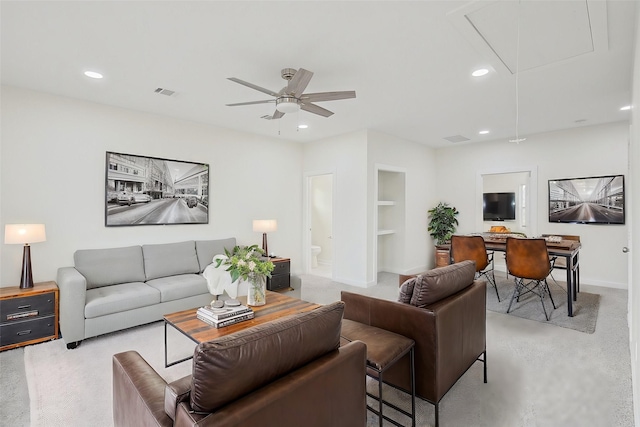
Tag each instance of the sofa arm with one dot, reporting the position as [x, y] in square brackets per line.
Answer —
[138, 392]
[176, 392]
[73, 298]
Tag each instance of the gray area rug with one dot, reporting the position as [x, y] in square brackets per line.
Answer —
[585, 309]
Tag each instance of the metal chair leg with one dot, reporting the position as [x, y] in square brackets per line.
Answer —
[516, 291]
[549, 292]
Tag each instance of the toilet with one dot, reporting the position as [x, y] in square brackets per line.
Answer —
[315, 250]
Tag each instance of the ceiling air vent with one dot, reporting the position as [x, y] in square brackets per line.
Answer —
[457, 138]
[166, 92]
[267, 117]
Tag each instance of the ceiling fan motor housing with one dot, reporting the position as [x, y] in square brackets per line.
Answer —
[288, 73]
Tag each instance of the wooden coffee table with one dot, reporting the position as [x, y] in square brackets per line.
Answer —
[186, 322]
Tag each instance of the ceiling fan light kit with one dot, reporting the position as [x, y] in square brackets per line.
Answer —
[291, 98]
[287, 104]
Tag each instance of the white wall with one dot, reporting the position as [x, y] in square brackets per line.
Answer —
[580, 152]
[345, 157]
[634, 255]
[53, 172]
[421, 180]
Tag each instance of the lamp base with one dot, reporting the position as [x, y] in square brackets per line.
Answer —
[26, 281]
[264, 244]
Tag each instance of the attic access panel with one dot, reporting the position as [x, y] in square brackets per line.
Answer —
[550, 31]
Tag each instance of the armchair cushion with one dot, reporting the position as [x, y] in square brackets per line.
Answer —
[442, 282]
[232, 366]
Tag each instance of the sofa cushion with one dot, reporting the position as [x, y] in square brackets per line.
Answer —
[104, 267]
[117, 298]
[207, 249]
[169, 259]
[406, 291]
[442, 282]
[227, 368]
[179, 286]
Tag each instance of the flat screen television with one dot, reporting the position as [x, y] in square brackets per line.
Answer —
[498, 206]
[591, 200]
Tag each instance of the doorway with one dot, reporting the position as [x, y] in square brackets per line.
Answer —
[320, 250]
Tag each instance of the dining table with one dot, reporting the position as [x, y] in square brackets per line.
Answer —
[557, 248]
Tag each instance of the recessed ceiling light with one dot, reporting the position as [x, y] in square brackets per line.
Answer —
[625, 108]
[480, 72]
[93, 74]
[303, 126]
[483, 132]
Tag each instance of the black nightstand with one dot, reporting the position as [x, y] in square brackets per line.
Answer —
[281, 275]
[29, 315]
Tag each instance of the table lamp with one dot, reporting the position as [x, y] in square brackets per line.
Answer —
[25, 234]
[265, 226]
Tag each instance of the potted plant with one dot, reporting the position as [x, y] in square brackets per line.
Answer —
[248, 263]
[442, 222]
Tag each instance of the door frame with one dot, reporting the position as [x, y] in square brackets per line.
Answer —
[306, 223]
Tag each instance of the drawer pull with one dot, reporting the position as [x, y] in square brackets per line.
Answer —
[23, 307]
[27, 332]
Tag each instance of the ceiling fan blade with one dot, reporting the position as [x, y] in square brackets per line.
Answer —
[251, 103]
[328, 96]
[299, 82]
[252, 86]
[312, 108]
[277, 114]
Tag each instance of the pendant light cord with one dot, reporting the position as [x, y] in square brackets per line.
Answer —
[518, 77]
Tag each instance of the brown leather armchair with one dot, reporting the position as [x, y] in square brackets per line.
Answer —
[444, 312]
[290, 372]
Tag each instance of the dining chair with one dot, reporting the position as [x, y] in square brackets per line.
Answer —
[473, 248]
[528, 261]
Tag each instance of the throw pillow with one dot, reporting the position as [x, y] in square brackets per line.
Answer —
[406, 291]
[442, 282]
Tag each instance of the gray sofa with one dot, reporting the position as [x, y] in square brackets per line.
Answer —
[112, 289]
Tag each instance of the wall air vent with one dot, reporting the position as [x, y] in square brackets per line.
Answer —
[457, 138]
[166, 92]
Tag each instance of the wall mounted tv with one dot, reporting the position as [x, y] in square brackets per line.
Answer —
[592, 200]
[498, 206]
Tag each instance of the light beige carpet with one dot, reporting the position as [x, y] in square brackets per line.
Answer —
[74, 387]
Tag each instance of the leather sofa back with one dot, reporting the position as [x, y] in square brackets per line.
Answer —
[227, 368]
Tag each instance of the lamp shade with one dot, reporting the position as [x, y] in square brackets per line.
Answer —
[265, 225]
[20, 234]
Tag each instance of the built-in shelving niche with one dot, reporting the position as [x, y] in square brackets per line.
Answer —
[390, 226]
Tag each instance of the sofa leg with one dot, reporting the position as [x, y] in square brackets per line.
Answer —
[72, 345]
[437, 417]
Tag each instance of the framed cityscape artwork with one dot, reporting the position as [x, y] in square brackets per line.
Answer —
[141, 190]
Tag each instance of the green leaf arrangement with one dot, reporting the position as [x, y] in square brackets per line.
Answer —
[442, 223]
[244, 261]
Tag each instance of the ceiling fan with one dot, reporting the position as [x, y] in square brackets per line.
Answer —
[291, 98]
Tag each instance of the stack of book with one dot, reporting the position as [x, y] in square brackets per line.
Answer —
[219, 317]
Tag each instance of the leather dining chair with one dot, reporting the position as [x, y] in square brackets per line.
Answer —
[528, 261]
[472, 248]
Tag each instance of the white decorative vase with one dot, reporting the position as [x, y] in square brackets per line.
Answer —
[257, 294]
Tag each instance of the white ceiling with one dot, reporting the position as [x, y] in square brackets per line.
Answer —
[410, 63]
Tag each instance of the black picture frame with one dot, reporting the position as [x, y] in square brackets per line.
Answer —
[589, 200]
[145, 190]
